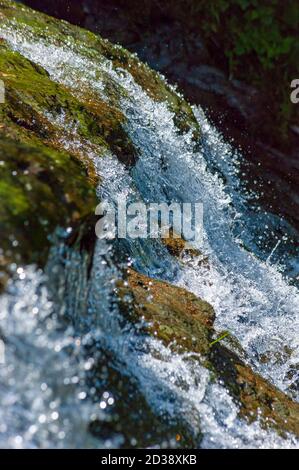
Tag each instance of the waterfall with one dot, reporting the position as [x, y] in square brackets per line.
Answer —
[61, 361]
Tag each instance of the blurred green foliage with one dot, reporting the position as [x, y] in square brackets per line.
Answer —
[268, 32]
[257, 40]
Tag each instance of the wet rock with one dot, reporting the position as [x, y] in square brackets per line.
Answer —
[179, 247]
[140, 427]
[42, 184]
[172, 313]
[53, 130]
[185, 323]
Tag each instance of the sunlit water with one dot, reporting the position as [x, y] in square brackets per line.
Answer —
[62, 354]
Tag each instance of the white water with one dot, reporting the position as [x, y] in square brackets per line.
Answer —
[250, 297]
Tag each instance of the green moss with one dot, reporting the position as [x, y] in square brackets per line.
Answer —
[42, 185]
[93, 119]
[13, 199]
[40, 189]
[97, 49]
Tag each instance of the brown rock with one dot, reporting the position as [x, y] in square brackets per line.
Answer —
[185, 323]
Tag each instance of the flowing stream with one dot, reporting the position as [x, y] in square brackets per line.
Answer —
[74, 364]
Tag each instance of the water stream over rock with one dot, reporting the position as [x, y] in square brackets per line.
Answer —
[78, 373]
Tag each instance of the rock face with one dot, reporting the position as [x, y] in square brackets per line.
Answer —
[185, 323]
[52, 130]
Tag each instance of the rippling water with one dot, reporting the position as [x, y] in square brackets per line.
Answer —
[77, 374]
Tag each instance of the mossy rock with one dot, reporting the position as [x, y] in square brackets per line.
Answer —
[42, 185]
[172, 313]
[47, 180]
[94, 47]
[185, 323]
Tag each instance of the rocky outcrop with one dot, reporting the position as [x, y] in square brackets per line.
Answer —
[185, 323]
[51, 132]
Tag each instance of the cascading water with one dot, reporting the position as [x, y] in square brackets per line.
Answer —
[56, 380]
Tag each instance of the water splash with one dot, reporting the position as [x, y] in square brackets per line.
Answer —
[41, 383]
[251, 298]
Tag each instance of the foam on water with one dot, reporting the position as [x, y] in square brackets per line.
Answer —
[175, 385]
[250, 296]
[41, 383]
